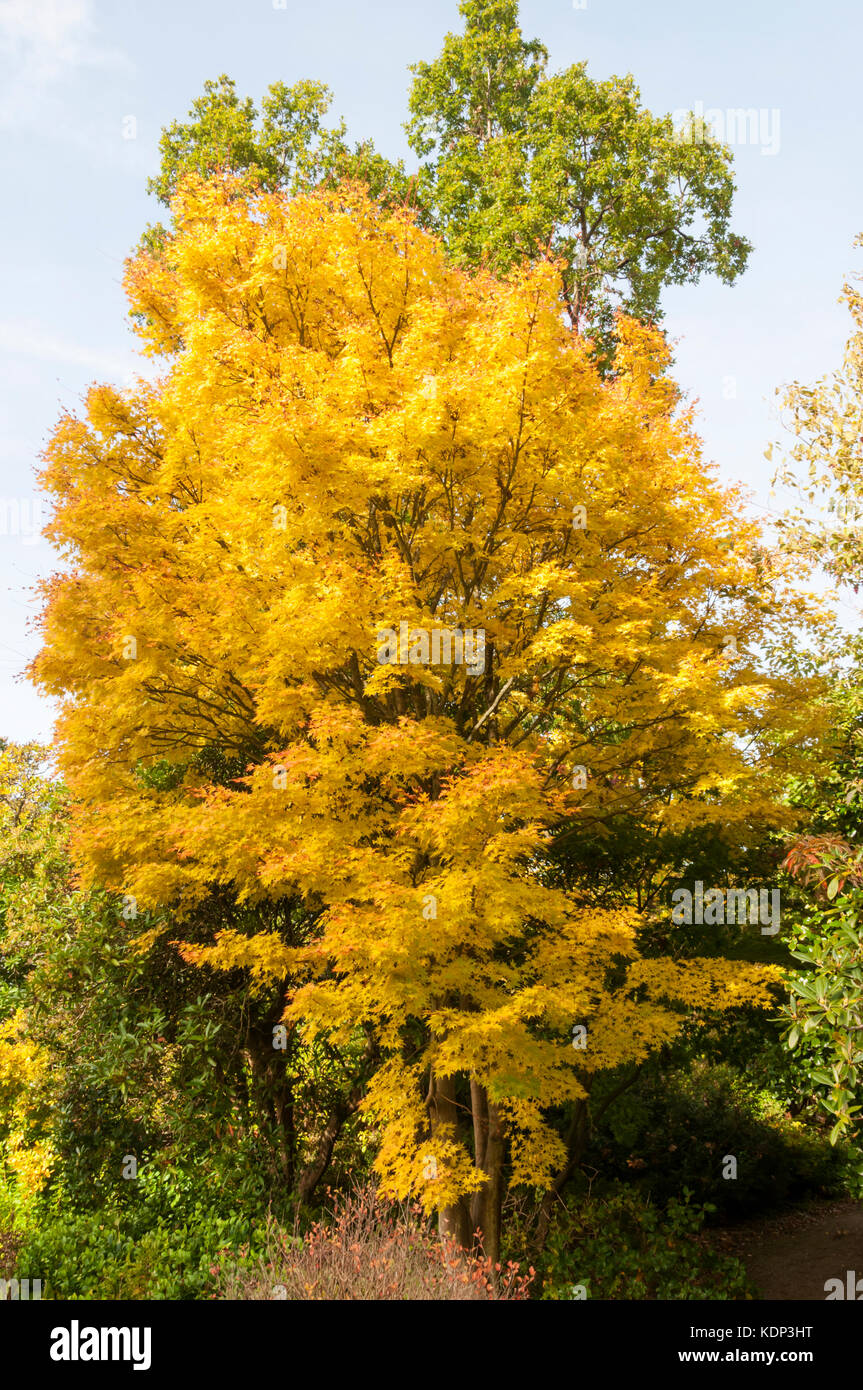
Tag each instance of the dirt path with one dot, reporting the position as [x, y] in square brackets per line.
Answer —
[793, 1255]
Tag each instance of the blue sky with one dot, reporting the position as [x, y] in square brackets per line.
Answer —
[73, 71]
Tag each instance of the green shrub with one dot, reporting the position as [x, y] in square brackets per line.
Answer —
[677, 1129]
[86, 1255]
[623, 1247]
[165, 1241]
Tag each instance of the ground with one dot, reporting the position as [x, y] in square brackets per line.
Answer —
[791, 1256]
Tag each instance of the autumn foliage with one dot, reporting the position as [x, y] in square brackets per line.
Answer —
[348, 434]
[368, 1249]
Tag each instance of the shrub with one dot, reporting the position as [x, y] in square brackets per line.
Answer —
[676, 1131]
[159, 1243]
[367, 1249]
[87, 1255]
[623, 1247]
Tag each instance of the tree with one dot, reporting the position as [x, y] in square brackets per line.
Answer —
[34, 880]
[824, 464]
[383, 535]
[107, 1049]
[515, 163]
[824, 1014]
[284, 146]
[518, 163]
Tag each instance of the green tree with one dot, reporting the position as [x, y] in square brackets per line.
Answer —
[824, 1014]
[514, 163]
[285, 145]
[518, 163]
[823, 463]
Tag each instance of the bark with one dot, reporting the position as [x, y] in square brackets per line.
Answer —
[314, 1170]
[476, 1222]
[453, 1221]
[273, 1095]
[487, 1203]
[273, 1088]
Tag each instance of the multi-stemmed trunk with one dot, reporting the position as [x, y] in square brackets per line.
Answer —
[475, 1222]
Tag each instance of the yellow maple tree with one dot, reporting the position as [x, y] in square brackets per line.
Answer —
[373, 589]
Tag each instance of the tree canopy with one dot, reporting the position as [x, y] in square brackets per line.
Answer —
[354, 438]
[514, 163]
[519, 162]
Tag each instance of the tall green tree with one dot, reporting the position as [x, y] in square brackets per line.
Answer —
[515, 163]
[519, 163]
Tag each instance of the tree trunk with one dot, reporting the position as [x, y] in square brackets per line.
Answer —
[486, 1204]
[272, 1095]
[453, 1221]
[314, 1170]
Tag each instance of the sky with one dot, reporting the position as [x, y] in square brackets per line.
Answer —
[86, 87]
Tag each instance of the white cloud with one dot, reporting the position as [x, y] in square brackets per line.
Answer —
[48, 36]
[23, 339]
[41, 42]
[48, 23]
